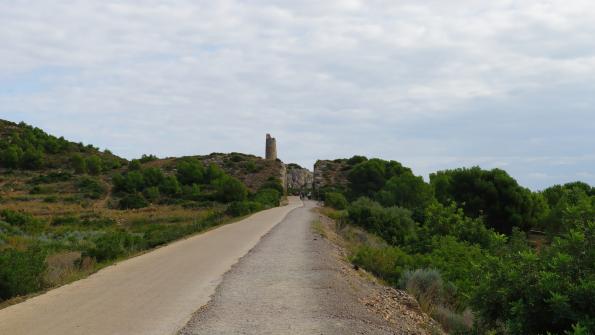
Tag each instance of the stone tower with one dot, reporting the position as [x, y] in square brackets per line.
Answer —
[271, 148]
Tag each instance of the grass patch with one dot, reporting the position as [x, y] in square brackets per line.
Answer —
[318, 228]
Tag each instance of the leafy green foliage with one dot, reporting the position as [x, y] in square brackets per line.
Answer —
[78, 164]
[393, 224]
[133, 201]
[241, 208]
[94, 165]
[492, 193]
[22, 220]
[229, 189]
[91, 187]
[368, 177]
[534, 293]
[335, 200]
[408, 191]
[21, 272]
[386, 262]
[191, 171]
[114, 244]
[466, 226]
[267, 197]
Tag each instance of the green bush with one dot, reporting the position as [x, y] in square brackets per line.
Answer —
[94, 165]
[133, 201]
[535, 293]
[22, 220]
[53, 177]
[10, 157]
[151, 193]
[170, 186]
[229, 189]
[387, 263]
[408, 191]
[32, 159]
[192, 192]
[241, 208]
[273, 184]
[335, 200]
[129, 182]
[112, 245]
[493, 194]
[21, 272]
[393, 224]
[268, 197]
[91, 187]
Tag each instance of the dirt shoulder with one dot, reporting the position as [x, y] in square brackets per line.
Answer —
[396, 307]
[297, 282]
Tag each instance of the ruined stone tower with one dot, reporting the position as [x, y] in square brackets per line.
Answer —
[271, 148]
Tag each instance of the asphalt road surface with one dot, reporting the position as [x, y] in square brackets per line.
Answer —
[291, 283]
[155, 293]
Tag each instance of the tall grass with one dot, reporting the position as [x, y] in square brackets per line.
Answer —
[433, 296]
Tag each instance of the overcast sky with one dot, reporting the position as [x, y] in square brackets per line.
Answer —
[434, 84]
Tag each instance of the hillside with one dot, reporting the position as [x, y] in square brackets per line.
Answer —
[464, 244]
[68, 209]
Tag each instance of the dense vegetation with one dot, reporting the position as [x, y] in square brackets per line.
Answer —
[68, 209]
[25, 147]
[482, 254]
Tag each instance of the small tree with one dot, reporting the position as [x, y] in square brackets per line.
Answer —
[11, 157]
[94, 165]
[230, 189]
[78, 164]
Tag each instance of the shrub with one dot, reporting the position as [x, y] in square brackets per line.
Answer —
[78, 164]
[112, 245]
[148, 158]
[21, 272]
[273, 184]
[453, 322]
[250, 166]
[425, 285]
[268, 197]
[387, 263]
[191, 192]
[190, 171]
[11, 156]
[152, 177]
[129, 182]
[151, 193]
[170, 186]
[241, 208]
[32, 159]
[335, 200]
[94, 165]
[407, 191]
[133, 201]
[229, 189]
[492, 193]
[393, 224]
[91, 187]
[53, 177]
[22, 220]
[134, 165]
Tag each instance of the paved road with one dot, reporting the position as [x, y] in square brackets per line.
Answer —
[155, 293]
[291, 283]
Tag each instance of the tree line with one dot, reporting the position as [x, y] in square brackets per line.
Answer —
[465, 244]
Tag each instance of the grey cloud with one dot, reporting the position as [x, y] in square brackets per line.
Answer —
[434, 84]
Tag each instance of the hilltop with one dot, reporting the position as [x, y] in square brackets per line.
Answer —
[69, 209]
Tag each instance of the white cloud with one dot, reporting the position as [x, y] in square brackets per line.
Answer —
[399, 79]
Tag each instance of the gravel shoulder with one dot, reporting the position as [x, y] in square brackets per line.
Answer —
[296, 282]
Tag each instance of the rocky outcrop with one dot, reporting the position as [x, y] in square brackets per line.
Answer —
[299, 178]
[331, 173]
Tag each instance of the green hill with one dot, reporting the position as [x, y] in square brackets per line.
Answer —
[67, 209]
